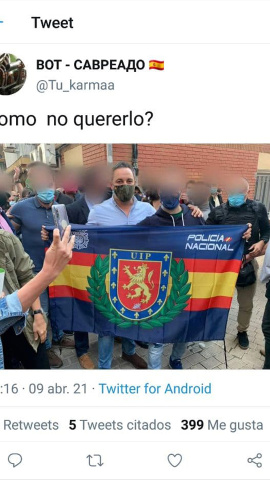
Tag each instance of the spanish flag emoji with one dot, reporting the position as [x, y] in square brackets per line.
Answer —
[156, 64]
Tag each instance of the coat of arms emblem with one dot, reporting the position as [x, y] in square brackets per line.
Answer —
[145, 288]
[139, 282]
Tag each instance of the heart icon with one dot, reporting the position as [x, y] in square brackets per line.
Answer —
[174, 460]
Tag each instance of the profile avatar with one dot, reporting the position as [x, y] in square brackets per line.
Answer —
[12, 74]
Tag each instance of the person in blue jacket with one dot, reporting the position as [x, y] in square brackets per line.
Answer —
[171, 213]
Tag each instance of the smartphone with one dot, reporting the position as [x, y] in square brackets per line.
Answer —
[60, 217]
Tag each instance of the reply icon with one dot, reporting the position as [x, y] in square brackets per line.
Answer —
[15, 459]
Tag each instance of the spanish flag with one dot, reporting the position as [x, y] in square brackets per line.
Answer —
[156, 64]
[158, 285]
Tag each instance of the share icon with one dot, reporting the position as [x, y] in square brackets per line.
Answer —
[252, 460]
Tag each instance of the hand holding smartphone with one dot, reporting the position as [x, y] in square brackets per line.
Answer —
[60, 217]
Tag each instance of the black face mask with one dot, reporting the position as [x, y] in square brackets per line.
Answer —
[124, 192]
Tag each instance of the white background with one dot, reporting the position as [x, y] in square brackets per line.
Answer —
[214, 89]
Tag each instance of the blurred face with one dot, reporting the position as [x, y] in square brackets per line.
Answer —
[13, 197]
[237, 192]
[5, 182]
[170, 195]
[171, 182]
[237, 186]
[95, 189]
[40, 178]
[173, 190]
[189, 190]
[214, 190]
[200, 194]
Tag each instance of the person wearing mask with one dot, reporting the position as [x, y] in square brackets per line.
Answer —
[170, 213]
[122, 209]
[68, 180]
[14, 198]
[29, 349]
[71, 189]
[138, 193]
[94, 185]
[265, 278]
[28, 217]
[240, 210]
[215, 198]
[59, 196]
[13, 307]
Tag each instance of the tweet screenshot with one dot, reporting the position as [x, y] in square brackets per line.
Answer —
[134, 240]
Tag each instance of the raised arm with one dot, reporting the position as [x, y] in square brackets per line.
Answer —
[56, 258]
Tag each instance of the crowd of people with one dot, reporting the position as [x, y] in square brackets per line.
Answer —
[110, 198]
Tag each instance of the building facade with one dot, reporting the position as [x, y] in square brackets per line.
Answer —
[199, 161]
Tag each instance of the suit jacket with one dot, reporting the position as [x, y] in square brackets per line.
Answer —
[62, 198]
[78, 211]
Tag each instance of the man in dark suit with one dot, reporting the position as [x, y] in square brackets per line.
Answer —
[94, 188]
[95, 191]
[78, 211]
[62, 198]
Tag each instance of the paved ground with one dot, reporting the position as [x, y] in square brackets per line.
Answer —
[211, 357]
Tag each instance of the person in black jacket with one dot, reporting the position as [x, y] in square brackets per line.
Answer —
[181, 216]
[171, 213]
[239, 210]
[215, 199]
[265, 278]
[78, 211]
[94, 186]
[62, 198]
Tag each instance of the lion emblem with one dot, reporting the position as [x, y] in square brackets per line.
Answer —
[139, 280]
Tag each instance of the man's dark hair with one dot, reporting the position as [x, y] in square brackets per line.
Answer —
[151, 196]
[123, 165]
[190, 182]
[27, 192]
